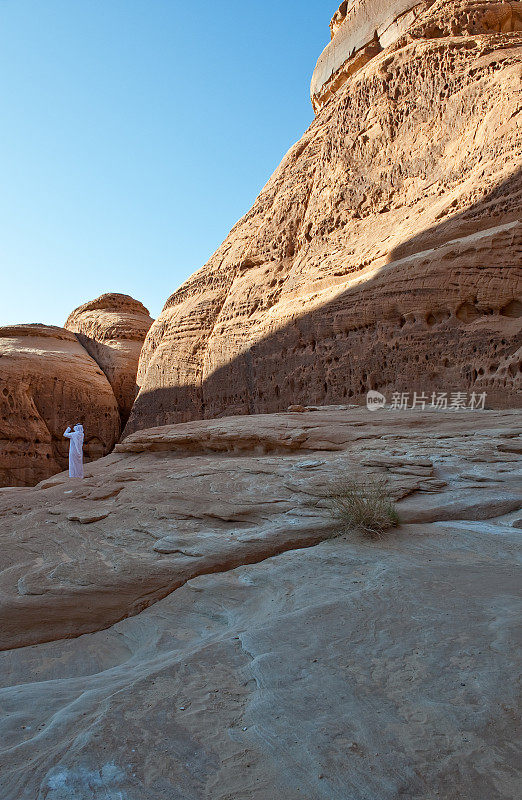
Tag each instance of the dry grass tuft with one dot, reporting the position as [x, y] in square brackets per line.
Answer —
[365, 506]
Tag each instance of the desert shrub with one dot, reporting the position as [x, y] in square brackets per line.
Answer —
[363, 505]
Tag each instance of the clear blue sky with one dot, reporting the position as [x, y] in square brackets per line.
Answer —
[135, 133]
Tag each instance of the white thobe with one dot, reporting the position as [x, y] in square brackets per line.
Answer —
[75, 451]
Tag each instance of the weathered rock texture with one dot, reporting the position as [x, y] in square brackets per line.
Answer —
[112, 329]
[48, 381]
[349, 669]
[205, 496]
[361, 29]
[385, 251]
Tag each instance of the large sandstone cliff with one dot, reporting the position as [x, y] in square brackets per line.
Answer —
[112, 329]
[385, 250]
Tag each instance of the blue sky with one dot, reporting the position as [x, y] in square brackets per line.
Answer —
[135, 133]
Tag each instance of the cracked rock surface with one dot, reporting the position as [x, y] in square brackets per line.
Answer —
[175, 502]
[232, 649]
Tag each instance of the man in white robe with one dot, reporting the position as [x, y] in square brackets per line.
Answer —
[75, 451]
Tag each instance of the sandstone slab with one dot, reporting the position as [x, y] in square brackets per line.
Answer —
[176, 502]
[202, 636]
[343, 670]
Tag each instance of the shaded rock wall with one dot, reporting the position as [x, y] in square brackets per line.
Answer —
[385, 251]
[48, 381]
[112, 329]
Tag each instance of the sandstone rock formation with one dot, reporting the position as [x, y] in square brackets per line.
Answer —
[176, 501]
[112, 329]
[361, 29]
[346, 669]
[48, 381]
[51, 377]
[385, 252]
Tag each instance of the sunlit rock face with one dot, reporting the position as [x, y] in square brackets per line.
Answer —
[361, 29]
[112, 329]
[47, 382]
[384, 252]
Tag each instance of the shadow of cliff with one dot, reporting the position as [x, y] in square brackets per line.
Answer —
[447, 333]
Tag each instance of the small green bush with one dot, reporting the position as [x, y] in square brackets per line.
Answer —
[363, 505]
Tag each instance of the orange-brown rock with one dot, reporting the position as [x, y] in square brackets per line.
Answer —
[361, 29]
[48, 381]
[385, 252]
[112, 329]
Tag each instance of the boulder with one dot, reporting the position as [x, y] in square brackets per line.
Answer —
[112, 329]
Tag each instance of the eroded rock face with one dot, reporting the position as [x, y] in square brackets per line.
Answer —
[112, 329]
[48, 381]
[385, 252]
[213, 642]
[361, 29]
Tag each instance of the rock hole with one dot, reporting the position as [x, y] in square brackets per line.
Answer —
[512, 309]
[467, 312]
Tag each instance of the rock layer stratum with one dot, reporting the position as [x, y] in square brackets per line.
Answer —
[361, 29]
[385, 251]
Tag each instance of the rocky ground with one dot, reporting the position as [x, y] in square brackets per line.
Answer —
[232, 648]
